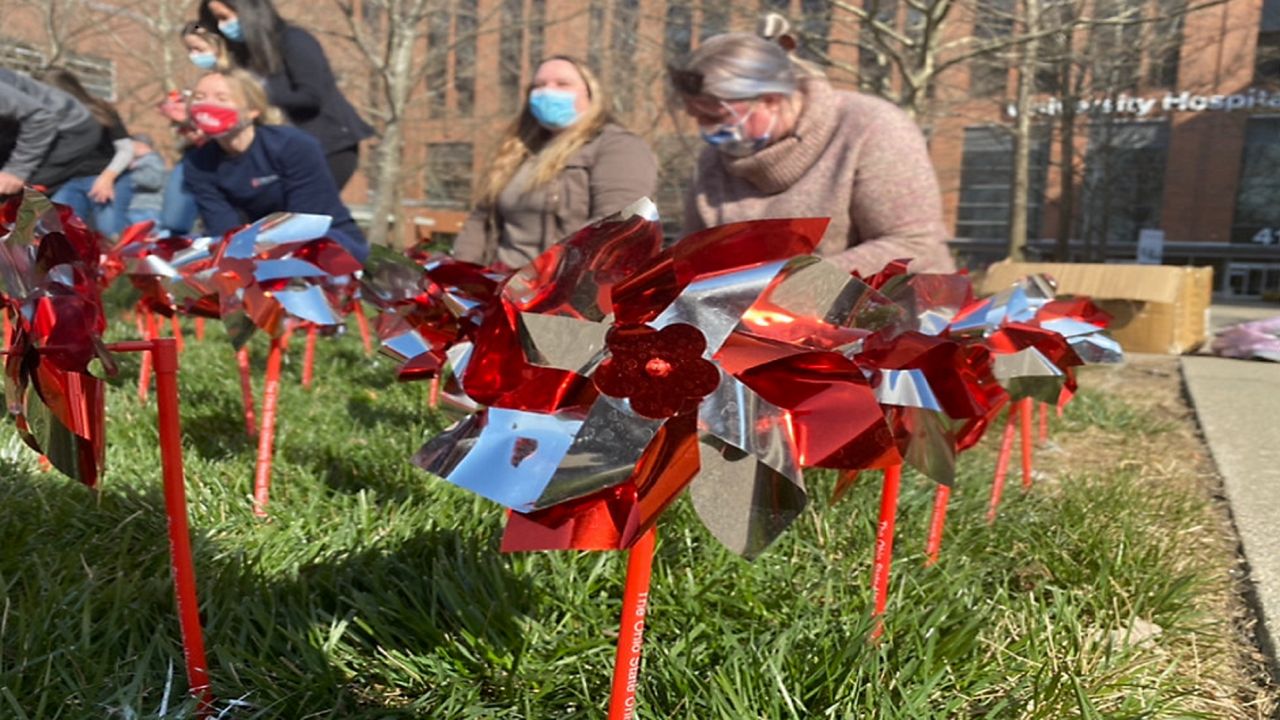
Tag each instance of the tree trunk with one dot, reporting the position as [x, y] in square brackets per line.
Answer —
[1020, 190]
[386, 206]
[387, 180]
[1067, 176]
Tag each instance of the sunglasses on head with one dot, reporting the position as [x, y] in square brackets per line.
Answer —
[688, 82]
[194, 28]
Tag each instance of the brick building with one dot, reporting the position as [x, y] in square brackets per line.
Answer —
[1187, 142]
[1185, 139]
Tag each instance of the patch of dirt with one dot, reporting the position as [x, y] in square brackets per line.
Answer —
[1228, 665]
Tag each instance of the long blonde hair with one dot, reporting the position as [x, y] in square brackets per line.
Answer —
[525, 138]
[250, 89]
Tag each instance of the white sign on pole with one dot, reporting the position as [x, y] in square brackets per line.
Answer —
[1150, 247]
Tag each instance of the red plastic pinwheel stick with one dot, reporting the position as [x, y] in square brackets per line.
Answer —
[164, 354]
[884, 543]
[635, 604]
[266, 436]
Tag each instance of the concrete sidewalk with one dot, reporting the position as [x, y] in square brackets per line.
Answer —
[1238, 406]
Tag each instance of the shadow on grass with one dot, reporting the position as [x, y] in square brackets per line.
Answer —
[322, 634]
[359, 467]
[215, 429]
[290, 631]
[371, 412]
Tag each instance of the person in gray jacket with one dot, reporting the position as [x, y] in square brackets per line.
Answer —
[99, 195]
[563, 164]
[149, 176]
[45, 134]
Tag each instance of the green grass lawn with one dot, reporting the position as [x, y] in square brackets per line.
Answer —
[377, 591]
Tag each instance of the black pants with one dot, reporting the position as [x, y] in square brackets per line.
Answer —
[342, 165]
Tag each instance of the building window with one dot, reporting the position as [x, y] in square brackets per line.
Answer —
[596, 15]
[1124, 180]
[510, 54]
[623, 47]
[1257, 217]
[989, 75]
[986, 180]
[715, 19]
[679, 35]
[815, 29]
[1165, 44]
[98, 75]
[1053, 52]
[437, 64]
[1116, 45]
[464, 56]
[873, 66]
[1267, 61]
[449, 174]
[537, 32]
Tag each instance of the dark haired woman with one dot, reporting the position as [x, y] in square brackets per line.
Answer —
[297, 75]
[100, 196]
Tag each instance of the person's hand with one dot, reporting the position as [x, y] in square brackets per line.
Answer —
[103, 189]
[192, 135]
[10, 184]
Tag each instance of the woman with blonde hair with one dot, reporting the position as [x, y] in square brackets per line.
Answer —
[783, 143]
[563, 163]
[253, 167]
[207, 50]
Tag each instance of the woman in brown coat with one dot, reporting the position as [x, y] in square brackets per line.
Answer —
[563, 164]
[784, 143]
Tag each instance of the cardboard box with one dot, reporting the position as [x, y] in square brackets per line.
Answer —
[1155, 308]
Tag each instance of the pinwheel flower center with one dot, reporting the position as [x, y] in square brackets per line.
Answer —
[662, 372]
[658, 367]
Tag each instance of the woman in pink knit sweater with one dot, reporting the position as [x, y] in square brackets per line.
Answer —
[783, 143]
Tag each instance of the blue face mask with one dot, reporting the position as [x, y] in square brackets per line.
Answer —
[203, 60]
[231, 30]
[553, 109]
[731, 138]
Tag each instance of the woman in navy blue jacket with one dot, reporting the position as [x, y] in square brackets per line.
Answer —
[254, 168]
[297, 75]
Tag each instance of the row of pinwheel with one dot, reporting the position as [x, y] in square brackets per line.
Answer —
[610, 375]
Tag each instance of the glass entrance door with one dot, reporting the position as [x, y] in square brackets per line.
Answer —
[1252, 279]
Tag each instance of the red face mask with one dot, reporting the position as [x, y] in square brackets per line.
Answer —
[215, 120]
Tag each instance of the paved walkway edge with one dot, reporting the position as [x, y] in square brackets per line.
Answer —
[1237, 403]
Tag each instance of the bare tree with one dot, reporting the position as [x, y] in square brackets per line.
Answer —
[387, 34]
[1093, 61]
[57, 29]
[147, 35]
[1020, 184]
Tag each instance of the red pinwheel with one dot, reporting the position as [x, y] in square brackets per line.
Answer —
[48, 271]
[424, 310]
[592, 479]
[1034, 340]
[281, 267]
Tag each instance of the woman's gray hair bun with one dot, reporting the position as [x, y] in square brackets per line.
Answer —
[776, 28]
